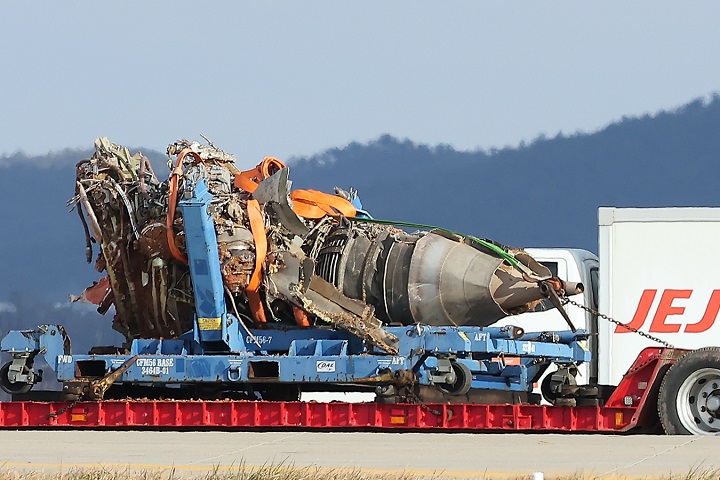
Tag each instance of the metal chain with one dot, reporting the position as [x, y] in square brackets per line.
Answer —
[63, 410]
[567, 300]
[417, 400]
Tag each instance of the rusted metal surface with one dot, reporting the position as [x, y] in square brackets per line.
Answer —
[328, 270]
[98, 388]
[126, 205]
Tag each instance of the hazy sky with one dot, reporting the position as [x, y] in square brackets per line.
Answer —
[294, 78]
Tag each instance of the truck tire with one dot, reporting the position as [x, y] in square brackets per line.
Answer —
[689, 397]
[13, 388]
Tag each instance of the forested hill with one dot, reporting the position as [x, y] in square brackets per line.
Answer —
[542, 194]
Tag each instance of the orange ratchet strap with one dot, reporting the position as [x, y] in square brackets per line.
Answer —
[301, 317]
[249, 179]
[257, 226]
[306, 203]
[315, 204]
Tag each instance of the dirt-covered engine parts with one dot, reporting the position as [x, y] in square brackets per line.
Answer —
[297, 257]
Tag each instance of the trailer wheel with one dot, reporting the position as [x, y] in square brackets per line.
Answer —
[463, 380]
[551, 386]
[13, 388]
[689, 397]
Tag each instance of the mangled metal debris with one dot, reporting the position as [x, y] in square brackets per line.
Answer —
[301, 257]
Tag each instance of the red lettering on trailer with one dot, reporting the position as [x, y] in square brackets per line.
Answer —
[646, 300]
[708, 319]
[666, 309]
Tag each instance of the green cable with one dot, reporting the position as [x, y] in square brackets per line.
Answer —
[489, 245]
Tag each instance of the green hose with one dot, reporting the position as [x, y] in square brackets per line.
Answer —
[489, 245]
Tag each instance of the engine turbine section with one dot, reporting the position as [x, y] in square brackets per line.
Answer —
[432, 278]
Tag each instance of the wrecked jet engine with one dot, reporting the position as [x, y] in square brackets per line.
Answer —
[302, 257]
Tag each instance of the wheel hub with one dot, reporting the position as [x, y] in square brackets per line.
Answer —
[712, 404]
[699, 401]
[689, 396]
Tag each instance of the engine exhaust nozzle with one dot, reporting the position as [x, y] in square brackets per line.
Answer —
[573, 288]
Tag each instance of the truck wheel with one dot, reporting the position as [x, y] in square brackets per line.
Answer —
[689, 397]
[13, 388]
[463, 380]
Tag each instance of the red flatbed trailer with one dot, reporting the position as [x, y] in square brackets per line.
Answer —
[631, 406]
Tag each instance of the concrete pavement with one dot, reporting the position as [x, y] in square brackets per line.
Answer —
[452, 455]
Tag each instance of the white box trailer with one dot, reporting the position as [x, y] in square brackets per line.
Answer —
[659, 274]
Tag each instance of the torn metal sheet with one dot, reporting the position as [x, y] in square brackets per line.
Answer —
[297, 258]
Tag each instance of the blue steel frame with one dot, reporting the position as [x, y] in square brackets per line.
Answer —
[320, 356]
[214, 328]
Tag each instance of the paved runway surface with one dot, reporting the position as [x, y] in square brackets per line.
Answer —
[452, 455]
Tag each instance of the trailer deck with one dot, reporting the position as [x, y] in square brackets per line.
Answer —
[239, 415]
[631, 406]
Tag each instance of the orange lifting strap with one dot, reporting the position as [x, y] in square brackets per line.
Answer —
[249, 179]
[306, 203]
[257, 226]
[172, 204]
[314, 204]
[301, 317]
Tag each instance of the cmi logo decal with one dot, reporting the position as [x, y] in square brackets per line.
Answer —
[665, 309]
[327, 366]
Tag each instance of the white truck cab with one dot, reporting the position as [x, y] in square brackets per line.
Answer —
[573, 265]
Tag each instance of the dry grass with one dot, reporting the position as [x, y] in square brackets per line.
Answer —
[280, 472]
